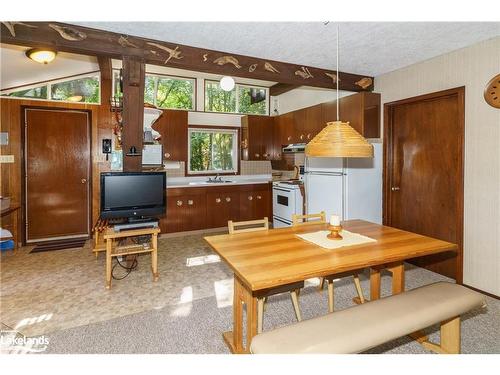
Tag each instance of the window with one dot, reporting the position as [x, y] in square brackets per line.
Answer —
[164, 91]
[34, 93]
[84, 89]
[242, 99]
[213, 151]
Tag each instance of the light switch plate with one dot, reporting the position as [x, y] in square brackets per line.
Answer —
[6, 159]
[4, 138]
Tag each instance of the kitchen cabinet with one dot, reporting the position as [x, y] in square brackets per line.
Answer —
[173, 128]
[195, 208]
[362, 111]
[256, 139]
[222, 206]
[186, 210]
[255, 204]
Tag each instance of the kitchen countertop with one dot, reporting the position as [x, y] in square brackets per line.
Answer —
[182, 182]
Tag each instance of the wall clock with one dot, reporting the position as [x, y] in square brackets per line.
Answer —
[492, 92]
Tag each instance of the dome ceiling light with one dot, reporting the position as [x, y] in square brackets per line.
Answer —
[41, 55]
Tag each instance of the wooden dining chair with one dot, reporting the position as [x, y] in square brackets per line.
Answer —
[294, 288]
[320, 218]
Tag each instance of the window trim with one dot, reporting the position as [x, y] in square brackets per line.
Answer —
[49, 84]
[214, 129]
[237, 85]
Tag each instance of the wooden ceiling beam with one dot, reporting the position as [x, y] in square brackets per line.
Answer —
[281, 88]
[88, 41]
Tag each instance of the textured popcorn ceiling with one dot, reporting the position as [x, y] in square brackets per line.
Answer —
[370, 48]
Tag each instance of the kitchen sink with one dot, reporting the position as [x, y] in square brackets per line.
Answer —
[211, 182]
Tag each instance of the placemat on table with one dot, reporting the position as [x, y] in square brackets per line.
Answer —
[348, 239]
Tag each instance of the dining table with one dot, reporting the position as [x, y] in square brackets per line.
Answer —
[269, 259]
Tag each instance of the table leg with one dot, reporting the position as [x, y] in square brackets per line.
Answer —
[398, 277]
[234, 339]
[154, 256]
[108, 263]
[374, 284]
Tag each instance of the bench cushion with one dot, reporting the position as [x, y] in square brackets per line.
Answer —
[363, 327]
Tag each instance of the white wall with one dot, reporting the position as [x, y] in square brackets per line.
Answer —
[303, 97]
[471, 67]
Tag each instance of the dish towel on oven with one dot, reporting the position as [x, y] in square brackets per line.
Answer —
[348, 239]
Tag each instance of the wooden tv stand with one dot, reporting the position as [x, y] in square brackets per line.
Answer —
[109, 238]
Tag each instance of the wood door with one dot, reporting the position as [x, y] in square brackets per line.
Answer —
[57, 174]
[263, 204]
[423, 182]
[248, 204]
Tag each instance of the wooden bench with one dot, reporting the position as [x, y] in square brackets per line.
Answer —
[366, 326]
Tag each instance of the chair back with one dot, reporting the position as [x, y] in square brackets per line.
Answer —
[319, 218]
[247, 226]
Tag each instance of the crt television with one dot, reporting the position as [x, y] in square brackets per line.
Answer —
[132, 194]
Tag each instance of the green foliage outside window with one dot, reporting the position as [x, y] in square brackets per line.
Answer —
[212, 151]
[78, 90]
[218, 100]
[245, 101]
[175, 93]
[34, 93]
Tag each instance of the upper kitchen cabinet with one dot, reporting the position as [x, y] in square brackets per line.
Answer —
[362, 111]
[173, 128]
[257, 137]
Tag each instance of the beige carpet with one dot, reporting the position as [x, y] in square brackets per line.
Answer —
[61, 294]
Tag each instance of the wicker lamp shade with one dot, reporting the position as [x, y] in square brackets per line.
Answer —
[339, 140]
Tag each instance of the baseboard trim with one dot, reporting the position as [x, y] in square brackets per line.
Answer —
[482, 291]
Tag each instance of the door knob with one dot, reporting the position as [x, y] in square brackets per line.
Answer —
[190, 202]
[179, 203]
[395, 188]
[259, 197]
[217, 200]
[167, 155]
[228, 199]
[84, 180]
[250, 198]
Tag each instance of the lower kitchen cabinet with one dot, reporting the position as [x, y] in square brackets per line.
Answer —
[221, 207]
[195, 208]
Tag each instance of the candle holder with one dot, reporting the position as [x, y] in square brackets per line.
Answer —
[334, 232]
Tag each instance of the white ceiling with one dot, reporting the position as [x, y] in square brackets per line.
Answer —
[18, 70]
[369, 48]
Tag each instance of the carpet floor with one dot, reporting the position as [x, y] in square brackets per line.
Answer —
[196, 326]
[61, 294]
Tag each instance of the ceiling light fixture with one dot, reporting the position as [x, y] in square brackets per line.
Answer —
[75, 98]
[338, 139]
[41, 55]
[227, 83]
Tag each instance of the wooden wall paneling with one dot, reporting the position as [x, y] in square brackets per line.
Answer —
[90, 41]
[133, 112]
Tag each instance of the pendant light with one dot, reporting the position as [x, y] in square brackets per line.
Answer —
[338, 139]
[227, 83]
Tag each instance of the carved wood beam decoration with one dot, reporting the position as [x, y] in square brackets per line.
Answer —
[88, 41]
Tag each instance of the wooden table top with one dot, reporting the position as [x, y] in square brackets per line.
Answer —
[267, 259]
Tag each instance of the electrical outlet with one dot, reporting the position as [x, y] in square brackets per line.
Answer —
[6, 159]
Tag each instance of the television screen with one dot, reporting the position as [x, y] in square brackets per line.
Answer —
[132, 194]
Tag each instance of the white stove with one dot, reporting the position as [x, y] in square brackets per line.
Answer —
[287, 200]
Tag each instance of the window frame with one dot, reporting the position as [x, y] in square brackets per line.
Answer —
[48, 84]
[214, 129]
[237, 86]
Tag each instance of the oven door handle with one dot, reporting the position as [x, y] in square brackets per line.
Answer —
[281, 189]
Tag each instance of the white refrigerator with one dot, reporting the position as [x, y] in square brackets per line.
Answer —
[348, 187]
